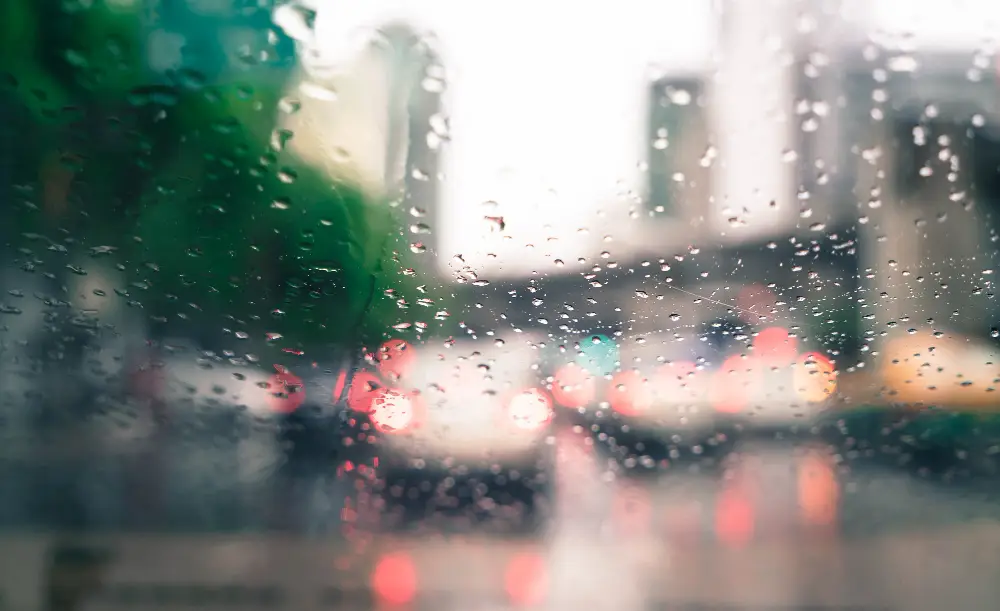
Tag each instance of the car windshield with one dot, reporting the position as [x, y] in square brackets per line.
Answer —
[383, 304]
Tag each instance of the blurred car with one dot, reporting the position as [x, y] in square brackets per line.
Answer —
[928, 404]
[466, 421]
[301, 409]
[696, 388]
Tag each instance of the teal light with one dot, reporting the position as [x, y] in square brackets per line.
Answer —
[598, 354]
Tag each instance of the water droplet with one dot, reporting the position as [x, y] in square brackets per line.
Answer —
[317, 91]
[280, 138]
[495, 224]
[190, 78]
[289, 106]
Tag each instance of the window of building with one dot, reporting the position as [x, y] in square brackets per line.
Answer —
[679, 152]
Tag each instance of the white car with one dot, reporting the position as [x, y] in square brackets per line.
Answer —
[469, 411]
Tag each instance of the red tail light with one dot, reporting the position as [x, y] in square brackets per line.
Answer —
[286, 391]
[338, 386]
[395, 359]
[630, 393]
[394, 579]
[775, 346]
[530, 409]
[573, 386]
[392, 411]
[526, 580]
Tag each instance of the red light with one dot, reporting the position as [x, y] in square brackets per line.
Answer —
[338, 386]
[734, 518]
[392, 411]
[526, 580]
[573, 386]
[394, 579]
[819, 490]
[285, 392]
[776, 346]
[629, 393]
[362, 392]
[530, 409]
[395, 359]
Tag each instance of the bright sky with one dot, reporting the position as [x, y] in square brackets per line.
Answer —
[546, 103]
[929, 25]
[547, 107]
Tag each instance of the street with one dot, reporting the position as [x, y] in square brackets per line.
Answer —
[775, 525]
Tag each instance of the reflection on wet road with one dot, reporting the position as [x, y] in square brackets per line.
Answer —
[772, 526]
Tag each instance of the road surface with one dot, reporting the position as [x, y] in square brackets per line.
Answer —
[777, 525]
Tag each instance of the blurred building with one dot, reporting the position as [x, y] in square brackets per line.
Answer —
[919, 131]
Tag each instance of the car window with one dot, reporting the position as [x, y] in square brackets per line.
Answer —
[382, 304]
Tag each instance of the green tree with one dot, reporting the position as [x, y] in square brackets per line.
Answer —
[183, 181]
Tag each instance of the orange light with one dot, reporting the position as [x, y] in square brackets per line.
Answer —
[737, 382]
[815, 377]
[530, 409]
[363, 390]
[526, 580]
[629, 394]
[285, 392]
[776, 346]
[394, 579]
[573, 386]
[734, 518]
[819, 490]
[396, 359]
[392, 410]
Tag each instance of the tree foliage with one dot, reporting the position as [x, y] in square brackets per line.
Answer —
[183, 180]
